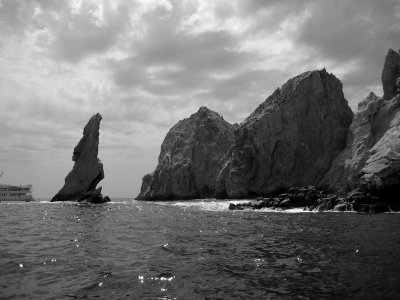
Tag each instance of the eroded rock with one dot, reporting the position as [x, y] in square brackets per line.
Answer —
[289, 140]
[390, 74]
[87, 171]
[192, 154]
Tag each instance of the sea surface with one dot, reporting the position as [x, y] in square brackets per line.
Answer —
[194, 250]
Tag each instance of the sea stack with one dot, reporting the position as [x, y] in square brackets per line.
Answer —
[290, 140]
[87, 172]
[191, 157]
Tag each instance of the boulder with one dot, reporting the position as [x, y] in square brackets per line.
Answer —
[192, 155]
[390, 74]
[342, 207]
[87, 171]
[289, 140]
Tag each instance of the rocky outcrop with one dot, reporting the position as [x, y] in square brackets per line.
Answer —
[390, 74]
[381, 172]
[87, 172]
[369, 167]
[191, 156]
[311, 198]
[289, 140]
[371, 159]
[368, 126]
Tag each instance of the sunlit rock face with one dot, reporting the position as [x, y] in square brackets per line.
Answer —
[191, 157]
[372, 154]
[87, 171]
[382, 169]
[391, 75]
[371, 159]
[290, 140]
[371, 123]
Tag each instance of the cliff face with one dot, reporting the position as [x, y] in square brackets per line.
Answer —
[381, 172]
[289, 140]
[191, 156]
[371, 158]
[372, 121]
[87, 172]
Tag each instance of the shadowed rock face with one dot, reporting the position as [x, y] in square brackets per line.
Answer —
[88, 169]
[289, 140]
[390, 74]
[192, 154]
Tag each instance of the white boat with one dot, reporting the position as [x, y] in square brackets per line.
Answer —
[15, 192]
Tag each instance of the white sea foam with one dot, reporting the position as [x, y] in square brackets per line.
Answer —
[223, 205]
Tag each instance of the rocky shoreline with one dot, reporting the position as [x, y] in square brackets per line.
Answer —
[311, 198]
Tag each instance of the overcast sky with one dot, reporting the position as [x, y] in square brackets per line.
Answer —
[146, 64]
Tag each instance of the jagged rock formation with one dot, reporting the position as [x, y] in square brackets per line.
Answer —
[370, 125]
[370, 162]
[80, 183]
[192, 154]
[311, 198]
[391, 74]
[298, 138]
[289, 140]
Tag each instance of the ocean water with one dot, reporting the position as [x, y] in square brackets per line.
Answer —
[194, 250]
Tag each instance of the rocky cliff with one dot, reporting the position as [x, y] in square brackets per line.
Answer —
[191, 156]
[371, 123]
[289, 140]
[87, 172]
[371, 159]
[391, 74]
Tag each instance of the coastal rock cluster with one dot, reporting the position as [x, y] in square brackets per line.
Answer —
[87, 172]
[301, 147]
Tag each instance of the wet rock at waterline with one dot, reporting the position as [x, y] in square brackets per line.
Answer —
[87, 172]
[311, 198]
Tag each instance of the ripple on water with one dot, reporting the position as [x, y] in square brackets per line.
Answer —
[194, 250]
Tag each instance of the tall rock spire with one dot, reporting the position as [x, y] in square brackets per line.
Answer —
[88, 171]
